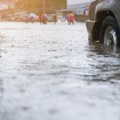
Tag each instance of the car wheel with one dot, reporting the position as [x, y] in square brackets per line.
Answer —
[110, 33]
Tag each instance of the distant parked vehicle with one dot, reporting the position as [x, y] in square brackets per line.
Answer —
[61, 19]
[19, 17]
[50, 18]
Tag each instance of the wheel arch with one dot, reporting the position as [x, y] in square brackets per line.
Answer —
[100, 16]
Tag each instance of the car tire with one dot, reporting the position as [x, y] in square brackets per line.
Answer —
[110, 33]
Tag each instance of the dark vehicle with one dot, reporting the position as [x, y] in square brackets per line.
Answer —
[104, 21]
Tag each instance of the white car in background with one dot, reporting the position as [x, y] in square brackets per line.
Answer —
[61, 19]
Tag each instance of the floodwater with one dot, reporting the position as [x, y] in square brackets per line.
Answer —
[52, 72]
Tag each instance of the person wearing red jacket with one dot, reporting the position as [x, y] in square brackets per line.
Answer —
[72, 18]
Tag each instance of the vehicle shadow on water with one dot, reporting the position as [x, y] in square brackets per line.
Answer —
[105, 62]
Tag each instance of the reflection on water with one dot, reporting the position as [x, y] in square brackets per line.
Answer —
[52, 72]
[97, 46]
[107, 60]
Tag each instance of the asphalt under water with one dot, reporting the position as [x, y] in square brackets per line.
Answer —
[52, 72]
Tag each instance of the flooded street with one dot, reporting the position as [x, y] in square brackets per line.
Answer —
[52, 72]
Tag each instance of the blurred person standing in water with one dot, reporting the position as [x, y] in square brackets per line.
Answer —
[32, 17]
[40, 18]
[68, 18]
[54, 18]
[44, 18]
[72, 18]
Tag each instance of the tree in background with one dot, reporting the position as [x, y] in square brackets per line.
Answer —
[56, 4]
[37, 5]
[28, 4]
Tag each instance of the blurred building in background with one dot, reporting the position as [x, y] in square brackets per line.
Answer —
[5, 4]
[53, 5]
[78, 6]
[47, 6]
[71, 2]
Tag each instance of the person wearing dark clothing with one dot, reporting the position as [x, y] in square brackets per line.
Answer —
[54, 18]
[44, 18]
[40, 18]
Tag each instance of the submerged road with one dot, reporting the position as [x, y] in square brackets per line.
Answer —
[52, 72]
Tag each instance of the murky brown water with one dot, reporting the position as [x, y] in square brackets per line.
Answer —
[52, 72]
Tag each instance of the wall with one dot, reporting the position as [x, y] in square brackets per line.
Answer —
[70, 2]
